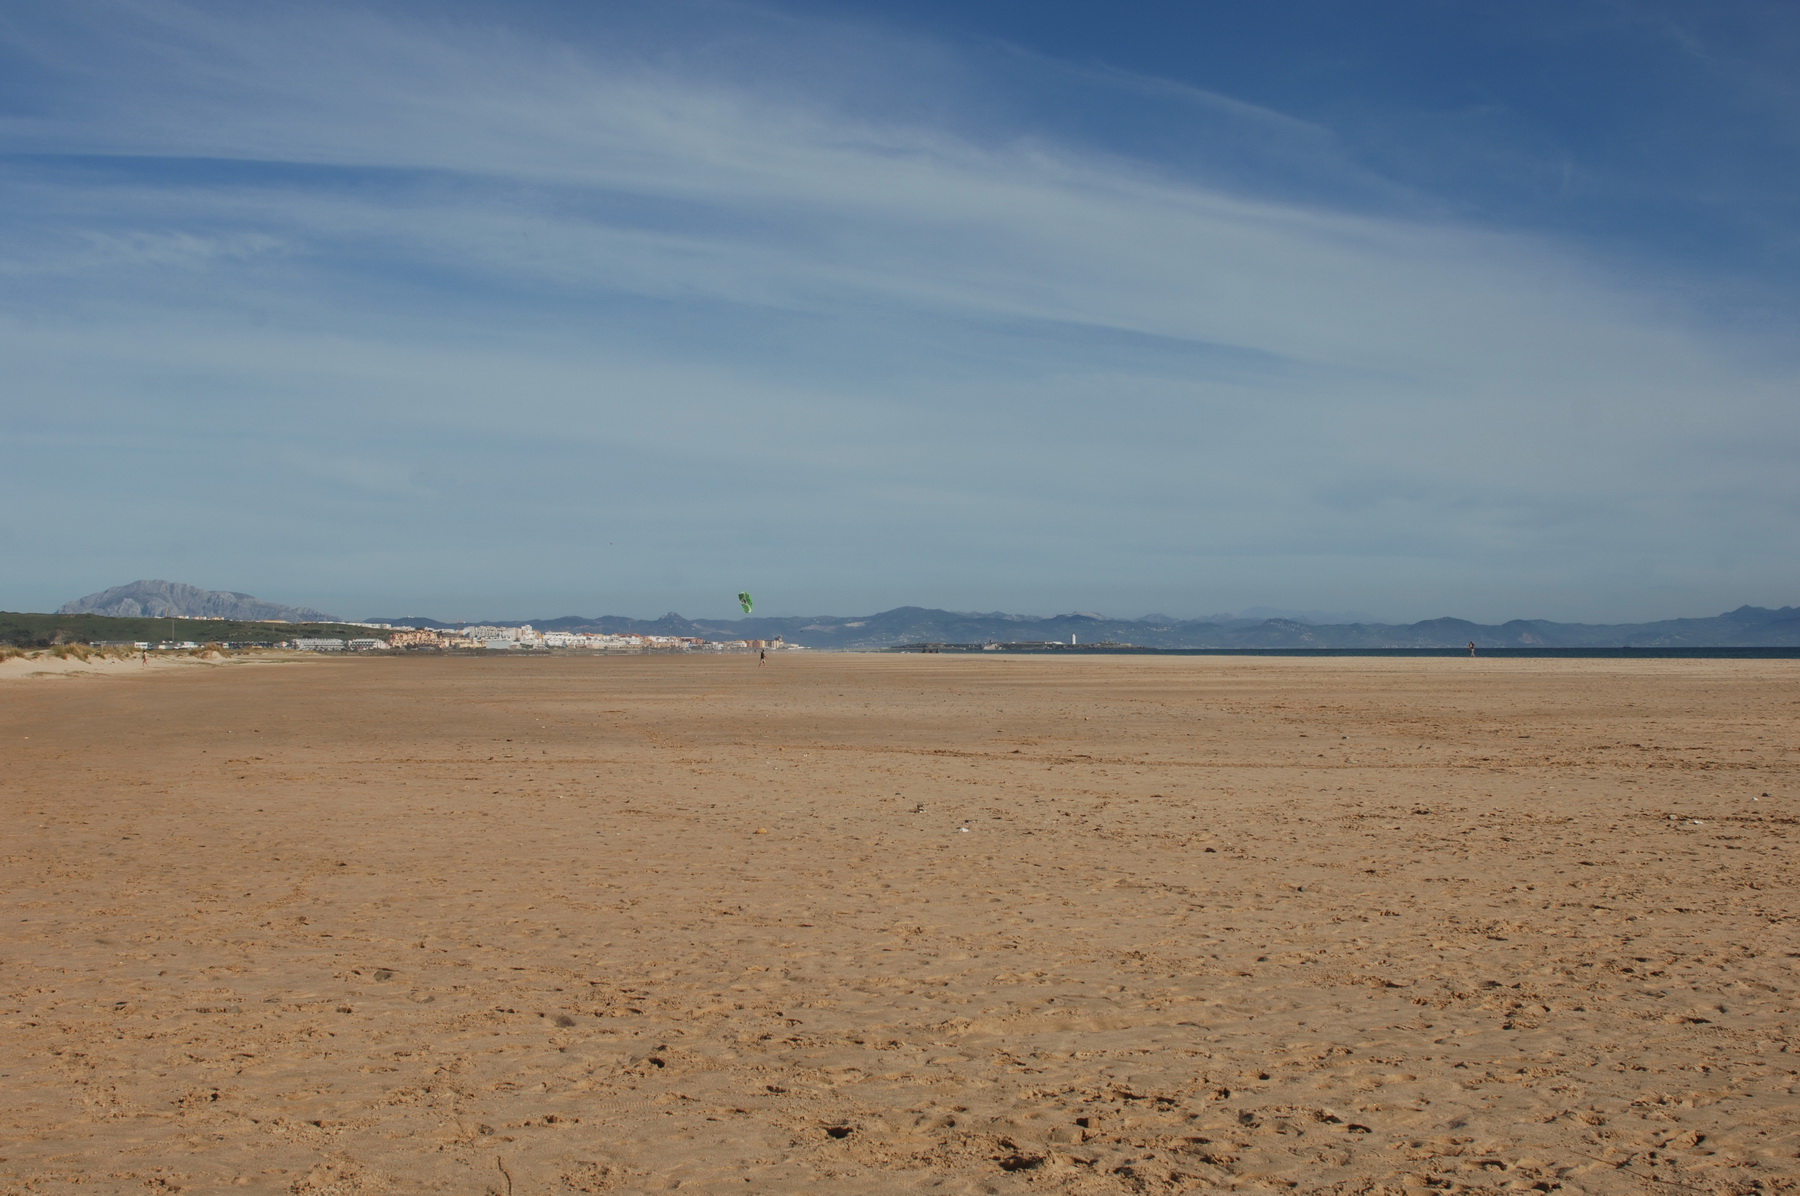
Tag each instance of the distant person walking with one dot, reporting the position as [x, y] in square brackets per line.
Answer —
[762, 656]
[1471, 647]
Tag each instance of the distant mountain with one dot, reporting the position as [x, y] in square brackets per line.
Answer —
[1746, 627]
[1258, 614]
[162, 599]
[420, 621]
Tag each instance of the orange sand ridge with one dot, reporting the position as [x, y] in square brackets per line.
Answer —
[1103, 925]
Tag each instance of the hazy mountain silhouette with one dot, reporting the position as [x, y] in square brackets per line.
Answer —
[1747, 626]
[160, 599]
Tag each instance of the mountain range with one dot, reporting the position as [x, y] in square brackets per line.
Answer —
[165, 599]
[1747, 626]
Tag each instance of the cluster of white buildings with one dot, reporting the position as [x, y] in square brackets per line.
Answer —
[527, 638]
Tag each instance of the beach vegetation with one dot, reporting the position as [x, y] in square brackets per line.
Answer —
[31, 630]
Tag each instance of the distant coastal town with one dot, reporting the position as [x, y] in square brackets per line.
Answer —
[484, 637]
[526, 638]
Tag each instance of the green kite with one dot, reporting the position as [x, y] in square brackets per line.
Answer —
[745, 601]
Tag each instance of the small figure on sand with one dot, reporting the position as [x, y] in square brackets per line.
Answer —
[1471, 647]
[762, 656]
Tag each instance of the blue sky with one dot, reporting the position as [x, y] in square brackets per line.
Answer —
[475, 310]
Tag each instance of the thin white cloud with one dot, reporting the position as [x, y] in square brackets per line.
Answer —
[93, 249]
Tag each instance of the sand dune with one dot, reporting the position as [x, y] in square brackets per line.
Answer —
[850, 924]
[42, 665]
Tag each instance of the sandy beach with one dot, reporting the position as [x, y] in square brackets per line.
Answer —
[869, 924]
[41, 665]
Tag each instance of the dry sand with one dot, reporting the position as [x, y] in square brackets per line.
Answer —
[41, 665]
[1057, 925]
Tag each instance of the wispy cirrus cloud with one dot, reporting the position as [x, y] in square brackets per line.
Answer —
[749, 296]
